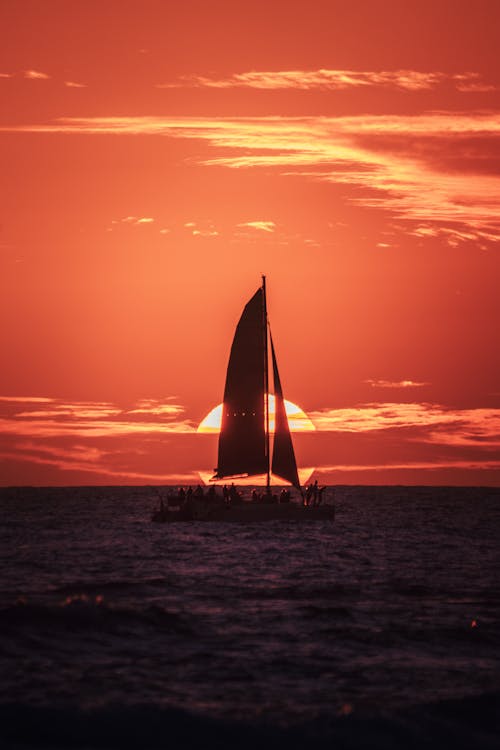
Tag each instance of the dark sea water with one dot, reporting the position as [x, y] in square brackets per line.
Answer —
[381, 629]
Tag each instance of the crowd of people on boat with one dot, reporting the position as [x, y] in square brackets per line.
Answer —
[312, 496]
[230, 496]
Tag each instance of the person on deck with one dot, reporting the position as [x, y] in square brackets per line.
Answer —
[308, 495]
[320, 494]
[285, 496]
[315, 492]
[234, 495]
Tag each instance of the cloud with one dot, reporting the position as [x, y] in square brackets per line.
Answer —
[264, 226]
[76, 452]
[155, 407]
[478, 465]
[395, 384]
[205, 233]
[27, 399]
[76, 437]
[377, 416]
[57, 418]
[201, 230]
[89, 459]
[36, 75]
[452, 236]
[418, 168]
[335, 80]
[433, 423]
[134, 220]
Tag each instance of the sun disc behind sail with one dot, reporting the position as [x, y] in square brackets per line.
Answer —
[297, 419]
[298, 422]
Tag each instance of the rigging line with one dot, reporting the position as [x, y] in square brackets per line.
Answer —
[266, 383]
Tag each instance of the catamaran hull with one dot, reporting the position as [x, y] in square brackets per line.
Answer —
[246, 513]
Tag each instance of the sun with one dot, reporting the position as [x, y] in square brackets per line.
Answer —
[297, 420]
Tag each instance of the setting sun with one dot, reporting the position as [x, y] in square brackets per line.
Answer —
[298, 422]
[297, 419]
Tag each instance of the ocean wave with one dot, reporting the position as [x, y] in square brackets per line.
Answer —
[83, 612]
[88, 586]
[461, 724]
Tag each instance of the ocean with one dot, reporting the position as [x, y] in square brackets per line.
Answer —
[380, 629]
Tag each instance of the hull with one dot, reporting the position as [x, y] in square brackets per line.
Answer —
[245, 513]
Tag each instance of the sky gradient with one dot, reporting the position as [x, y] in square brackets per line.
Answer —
[157, 158]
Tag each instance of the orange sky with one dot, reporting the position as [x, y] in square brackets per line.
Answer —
[158, 157]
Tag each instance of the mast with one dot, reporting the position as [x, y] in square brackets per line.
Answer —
[266, 384]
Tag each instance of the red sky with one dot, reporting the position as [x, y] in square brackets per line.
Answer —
[157, 158]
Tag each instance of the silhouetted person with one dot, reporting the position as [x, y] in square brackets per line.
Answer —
[315, 492]
[309, 492]
[285, 496]
[320, 494]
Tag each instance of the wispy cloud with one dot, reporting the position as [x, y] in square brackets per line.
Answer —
[134, 220]
[36, 75]
[27, 399]
[436, 424]
[395, 383]
[335, 80]
[54, 418]
[154, 407]
[421, 168]
[205, 233]
[206, 229]
[263, 226]
[90, 460]
[478, 465]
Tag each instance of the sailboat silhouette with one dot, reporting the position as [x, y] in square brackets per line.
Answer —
[244, 448]
[244, 438]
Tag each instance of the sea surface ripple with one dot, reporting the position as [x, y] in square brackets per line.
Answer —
[392, 607]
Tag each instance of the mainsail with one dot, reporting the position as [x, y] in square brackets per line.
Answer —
[244, 433]
[242, 439]
[284, 464]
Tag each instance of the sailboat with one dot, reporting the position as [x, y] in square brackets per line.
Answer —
[244, 448]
